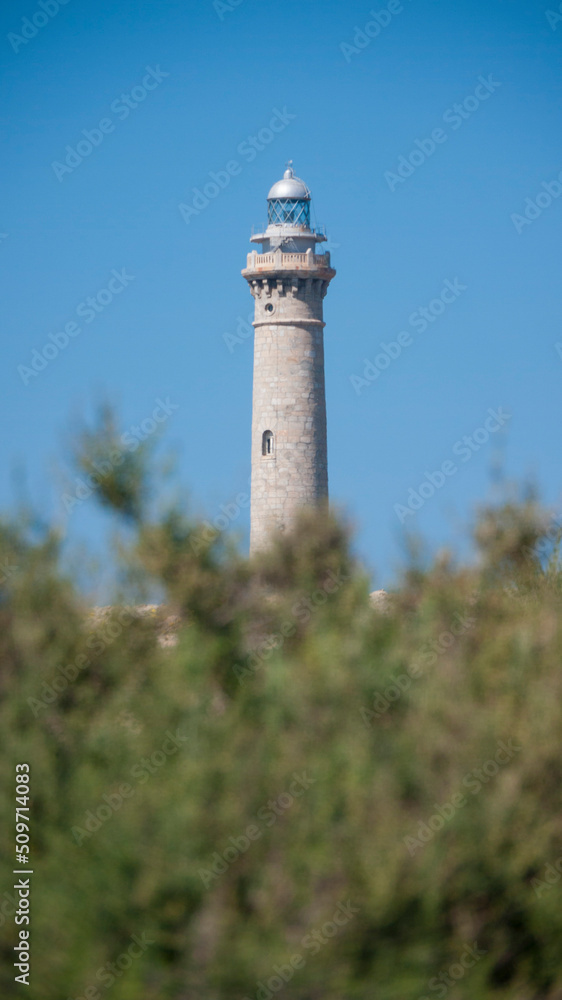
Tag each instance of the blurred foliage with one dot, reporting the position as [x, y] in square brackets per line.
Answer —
[152, 761]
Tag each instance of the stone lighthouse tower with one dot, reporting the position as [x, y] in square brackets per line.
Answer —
[288, 280]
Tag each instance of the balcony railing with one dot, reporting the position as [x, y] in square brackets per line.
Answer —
[290, 261]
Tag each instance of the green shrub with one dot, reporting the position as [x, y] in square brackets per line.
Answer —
[355, 796]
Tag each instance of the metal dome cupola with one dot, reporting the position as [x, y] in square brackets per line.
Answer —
[288, 202]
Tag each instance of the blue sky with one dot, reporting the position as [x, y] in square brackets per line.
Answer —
[355, 94]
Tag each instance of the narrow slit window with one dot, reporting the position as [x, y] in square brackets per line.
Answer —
[267, 443]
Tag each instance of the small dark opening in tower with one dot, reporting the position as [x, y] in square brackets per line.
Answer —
[269, 307]
[267, 443]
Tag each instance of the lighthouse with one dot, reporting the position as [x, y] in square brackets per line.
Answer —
[288, 281]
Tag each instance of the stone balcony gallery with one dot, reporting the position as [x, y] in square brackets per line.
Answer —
[286, 261]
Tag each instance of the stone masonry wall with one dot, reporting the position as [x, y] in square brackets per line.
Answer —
[288, 398]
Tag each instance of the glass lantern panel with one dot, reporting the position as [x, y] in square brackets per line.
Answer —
[288, 211]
